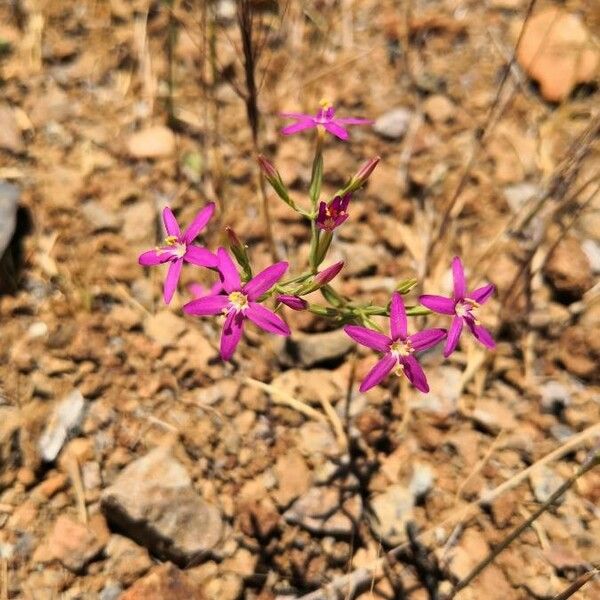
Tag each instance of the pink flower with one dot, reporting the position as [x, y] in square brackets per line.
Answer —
[333, 214]
[294, 302]
[199, 291]
[462, 305]
[325, 118]
[398, 349]
[179, 248]
[240, 302]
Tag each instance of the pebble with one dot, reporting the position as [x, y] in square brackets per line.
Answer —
[319, 512]
[393, 124]
[314, 349]
[9, 204]
[293, 477]
[164, 327]
[544, 482]
[392, 509]
[152, 142]
[153, 502]
[568, 269]
[10, 134]
[555, 397]
[64, 420]
[100, 218]
[557, 50]
[164, 582]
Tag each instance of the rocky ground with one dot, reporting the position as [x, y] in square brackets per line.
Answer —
[134, 463]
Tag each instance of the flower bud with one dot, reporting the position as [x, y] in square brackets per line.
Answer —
[239, 251]
[294, 302]
[362, 175]
[274, 178]
[328, 274]
[267, 168]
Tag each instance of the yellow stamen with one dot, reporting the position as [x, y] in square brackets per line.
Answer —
[170, 240]
[238, 300]
[325, 103]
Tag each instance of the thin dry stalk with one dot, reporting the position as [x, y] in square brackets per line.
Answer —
[4, 578]
[593, 461]
[577, 585]
[72, 465]
[284, 399]
[336, 423]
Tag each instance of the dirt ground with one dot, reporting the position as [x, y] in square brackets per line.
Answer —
[135, 464]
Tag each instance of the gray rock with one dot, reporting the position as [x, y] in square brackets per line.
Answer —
[393, 124]
[544, 482]
[392, 510]
[111, 591]
[154, 503]
[555, 396]
[309, 350]
[592, 251]
[518, 194]
[100, 218]
[64, 421]
[9, 203]
[322, 512]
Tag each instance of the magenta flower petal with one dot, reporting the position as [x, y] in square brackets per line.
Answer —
[267, 319]
[198, 290]
[172, 279]
[398, 322]
[458, 274]
[482, 335]
[230, 278]
[481, 294]
[378, 372]
[170, 222]
[296, 127]
[368, 337]
[231, 334]
[153, 258]
[294, 302]
[428, 338]
[199, 223]
[337, 130]
[265, 280]
[201, 257]
[415, 374]
[453, 336]
[437, 304]
[207, 305]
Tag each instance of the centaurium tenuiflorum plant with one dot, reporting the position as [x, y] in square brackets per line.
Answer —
[239, 295]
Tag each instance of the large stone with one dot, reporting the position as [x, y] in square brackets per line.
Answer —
[154, 503]
[393, 124]
[315, 349]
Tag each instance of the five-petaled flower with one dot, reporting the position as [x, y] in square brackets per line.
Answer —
[398, 348]
[462, 305]
[240, 302]
[178, 247]
[325, 118]
[331, 215]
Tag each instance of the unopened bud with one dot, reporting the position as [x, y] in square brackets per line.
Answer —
[294, 302]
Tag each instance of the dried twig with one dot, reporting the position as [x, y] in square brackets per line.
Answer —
[577, 585]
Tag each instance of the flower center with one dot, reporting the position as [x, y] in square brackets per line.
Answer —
[401, 348]
[326, 112]
[238, 301]
[465, 307]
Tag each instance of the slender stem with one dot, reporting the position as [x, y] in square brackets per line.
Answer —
[576, 585]
[590, 463]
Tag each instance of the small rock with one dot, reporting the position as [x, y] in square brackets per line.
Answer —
[100, 218]
[493, 416]
[153, 502]
[444, 387]
[111, 591]
[164, 327]
[126, 560]
[227, 586]
[152, 142]
[72, 543]
[10, 134]
[9, 204]
[392, 510]
[314, 349]
[293, 476]
[439, 108]
[393, 124]
[316, 438]
[139, 221]
[319, 511]
[65, 420]
[422, 480]
[555, 397]
[164, 581]
[544, 482]
[592, 251]
[557, 50]
[568, 269]
[519, 194]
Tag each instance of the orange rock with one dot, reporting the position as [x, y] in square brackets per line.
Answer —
[164, 581]
[557, 51]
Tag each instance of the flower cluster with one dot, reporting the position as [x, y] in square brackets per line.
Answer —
[238, 295]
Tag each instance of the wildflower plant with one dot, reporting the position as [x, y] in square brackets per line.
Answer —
[239, 295]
